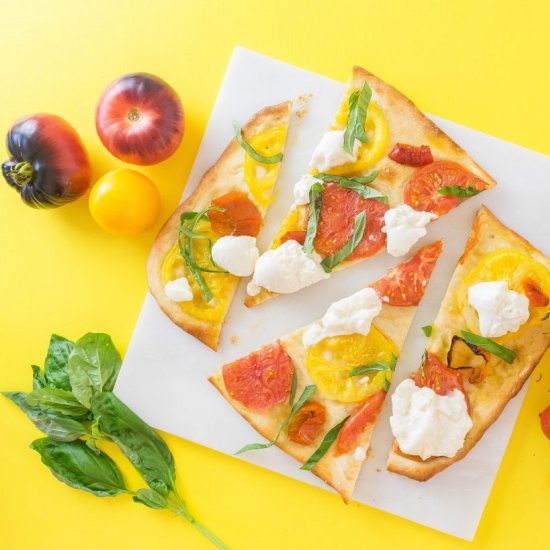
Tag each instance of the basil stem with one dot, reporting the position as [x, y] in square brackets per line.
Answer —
[423, 366]
[355, 128]
[306, 394]
[427, 330]
[505, 354]
[248, 148]
[315, 201]
[357, 184]
[457, 191]
[328, 440]
[330, 262]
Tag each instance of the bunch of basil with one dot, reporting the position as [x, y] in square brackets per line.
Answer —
[73, 404]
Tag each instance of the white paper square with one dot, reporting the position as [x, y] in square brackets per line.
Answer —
[164, 374]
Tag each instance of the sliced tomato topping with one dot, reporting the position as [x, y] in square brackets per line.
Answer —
[411, 155]
[307, 423]
[261, 379]
[241, 216]
[404, 285]
[536, 295]
[437, 376]
[299, 236]
[338, 210]
[421, 191]
[364, 414]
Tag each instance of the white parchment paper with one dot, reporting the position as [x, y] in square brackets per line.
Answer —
[164, 374]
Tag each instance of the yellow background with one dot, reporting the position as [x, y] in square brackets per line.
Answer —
[484, 64]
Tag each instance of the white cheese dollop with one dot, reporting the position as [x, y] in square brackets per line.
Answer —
[360, 454]
[330, 151]
[178, 290]
[302, 187]
[351, 315]
[404, 226]
[499, 309]
[286, 269]
[237, 255]
[427, 424]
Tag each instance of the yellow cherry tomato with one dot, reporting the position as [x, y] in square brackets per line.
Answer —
[125, 202]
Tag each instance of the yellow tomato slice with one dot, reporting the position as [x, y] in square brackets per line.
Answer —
[221, 284]
[261, 177]
[295, 220]
[513, 267]
[330, 361]
[369, 153]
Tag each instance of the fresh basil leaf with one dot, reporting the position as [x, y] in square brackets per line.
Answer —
[138, 441]
[315, 201]
[248, 148]
[76, 465]
[373, 368]
[357, 184]
[38, 378]
[93, 366]
[151, 499]
[57, 361]
[355, 128]
[306, 394]
[61, 401]
[53, 424]
[386, 385]
[457, 191]
[293, 388]
[505, 354]
[195, 271]
[328, 440]
[330, 262]
[427, 330]
[423, 366]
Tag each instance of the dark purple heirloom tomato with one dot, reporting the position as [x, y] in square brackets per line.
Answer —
[139, 118]
[49, 166]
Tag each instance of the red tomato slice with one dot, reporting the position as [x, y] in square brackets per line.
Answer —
[299, 236]
[411, 155]
[437, 376]
[534, 293]
[261, 379]
[421, 191]
[404, 285]
[338, 210]
[241, 216]
[307, 423]
[363, 414]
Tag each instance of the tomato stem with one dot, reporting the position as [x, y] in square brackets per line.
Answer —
[21, 174]
[134, 115]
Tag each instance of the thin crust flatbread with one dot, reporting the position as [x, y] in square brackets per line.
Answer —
[407, 124]
[224, 176]
[340, 471]
[489, 397]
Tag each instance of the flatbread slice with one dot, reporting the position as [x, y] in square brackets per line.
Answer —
[493, 253]
[415, 162]
[243, 187]
[259, 386]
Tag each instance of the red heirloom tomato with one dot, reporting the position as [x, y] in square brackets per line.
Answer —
[139, 119]
[49, 166]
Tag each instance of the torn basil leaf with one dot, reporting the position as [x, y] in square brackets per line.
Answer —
[249, 149]
[315, 202]
[355, 128]
[427, 330]
[457, 191]
[358, 184]
[491, 346]
[330, 262]
[328, 440]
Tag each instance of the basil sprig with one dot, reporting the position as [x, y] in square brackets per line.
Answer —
[315, 201]
[250, 150]
[491, 346]
[457, 191]
[355, 128]
[328, 440]
[306, 394]
[72, 404]
[427, 330]
[330, 262]
[357, 184]
[293, 388]
[188, 222]
[375, 368]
